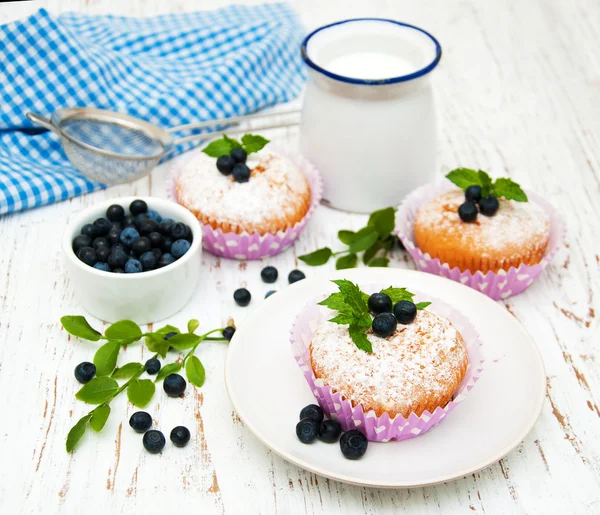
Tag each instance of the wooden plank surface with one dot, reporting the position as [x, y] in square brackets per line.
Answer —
[518, 93]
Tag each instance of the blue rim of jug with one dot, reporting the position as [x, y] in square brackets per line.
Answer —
[372, 82]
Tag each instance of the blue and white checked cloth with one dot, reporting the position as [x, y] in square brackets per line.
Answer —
[169, 70]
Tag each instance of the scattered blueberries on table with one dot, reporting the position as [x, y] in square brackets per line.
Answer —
[136, 242]
[153, 366]
[140, 421]
[269, 274]
[180, 436]
[353, 444]
[154, 441]
[84, 372]
[384, 324]
[228, 332]
[269, 293]
[174, 385]
[295, 276]
[405, 311]
[242, 297]
[380, 303]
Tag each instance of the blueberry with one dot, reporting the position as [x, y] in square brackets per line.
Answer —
[228, 332]
[467, 211]
[118, 271]
[242, 297]
[489, 205]
[83, 240]
[239, 155]
[114, 235]
[154, 215]
[353, 444]
[313, 412]
[88, 256]
[153, 440]
[133, 266]
[140, 421]
[307, 430]
[178, 231]
[330, 431]
[152, 366]
[145, 227]
[405, 311]
[84, 372]
[100, 241]
[165, 259]
[89, 230]
[295, 276]
[170, 335]
[241, 173]
[129, 236]
[167, 244]
[102, 226]
[384, 324]
[165, 226]
[473, 193]
[149, 261]
[156, 239]
[269, 274]
[115, 213]
[179, 248]
[117, 258]
[142, 217]
[225, 164]
[137, 207]
[102, 254]
[180, 436]
[269, 293]
[174, 385]
[141, 245]
[380, 303]
[116, 225]
[102, 266]
[129, 221]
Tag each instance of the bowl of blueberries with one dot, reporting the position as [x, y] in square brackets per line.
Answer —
[133, 257]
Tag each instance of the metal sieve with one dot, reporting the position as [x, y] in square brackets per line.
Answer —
[113, 148]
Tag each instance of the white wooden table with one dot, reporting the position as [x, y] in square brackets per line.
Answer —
[518, 93]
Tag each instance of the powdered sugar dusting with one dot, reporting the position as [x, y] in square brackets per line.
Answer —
[420, 361]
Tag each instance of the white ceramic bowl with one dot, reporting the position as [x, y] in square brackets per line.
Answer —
[143, 297]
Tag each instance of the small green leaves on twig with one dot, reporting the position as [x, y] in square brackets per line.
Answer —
[78, 326]
[501, 187]
[375, 240]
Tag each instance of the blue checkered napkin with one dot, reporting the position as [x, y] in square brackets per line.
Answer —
[169, 70]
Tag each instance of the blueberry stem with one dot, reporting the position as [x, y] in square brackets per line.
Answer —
[202, 338]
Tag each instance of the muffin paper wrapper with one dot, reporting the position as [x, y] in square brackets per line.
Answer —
[381, 428]
[496, 285]
[255, 245]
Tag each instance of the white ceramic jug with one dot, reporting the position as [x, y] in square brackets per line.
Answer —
[368, 119]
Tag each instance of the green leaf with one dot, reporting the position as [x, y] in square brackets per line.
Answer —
[77, 432]
[195, 371]
[171, 368]
[422, 305]
[99, 417]
[346, 237]
[509, 189]
[192, 325]
[98, 390]
[371, 251]
[335, 301]
[140, 392]
[360, 338]
[105, 358]
[253, 142]
[383, 221]
[379, 262]
[317, 258]
[124, 329]
[167, 329]
[184, 341]
[232, 141]
[352, 296]
[486, 182]
[363, 240]
[464, 177]
[127, 371]
[388, 243]
[220, 147]
[398, 294]
[342, 318]
[156, 343]
[78, 326]
[344, 262]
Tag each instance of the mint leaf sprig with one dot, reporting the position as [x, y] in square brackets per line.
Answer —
[353, 310]
[103, 388]
[501, 187]
[223, 146]
[375, 240]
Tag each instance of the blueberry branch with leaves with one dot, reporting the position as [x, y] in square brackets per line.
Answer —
[103, 388]
[375, 240]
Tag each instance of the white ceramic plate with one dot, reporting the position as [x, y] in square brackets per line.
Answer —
[268, 391]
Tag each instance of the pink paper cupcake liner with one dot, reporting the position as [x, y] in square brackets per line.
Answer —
[248, 246]
[496, 285]
[382, 428]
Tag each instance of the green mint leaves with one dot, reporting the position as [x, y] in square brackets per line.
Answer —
[223, 146]
[502, 187]
[375, 240]
[353, 310]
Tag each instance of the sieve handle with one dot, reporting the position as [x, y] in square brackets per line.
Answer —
[43, 121]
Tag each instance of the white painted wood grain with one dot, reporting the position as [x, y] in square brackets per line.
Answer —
[518, 93]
